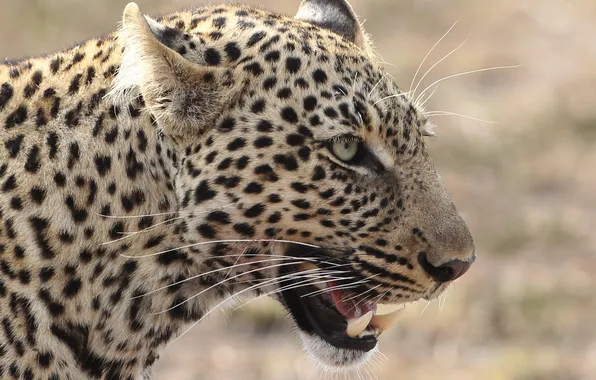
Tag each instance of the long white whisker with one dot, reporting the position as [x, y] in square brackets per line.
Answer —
[432, 67]
[223, 241]
[376, 85]
[402, 94]
[220, 283]
[429, 53]
[467, 73]
[215, 308]
[423, 310]
[447, 113]
[339, 287]
[287, 287]
[272, 259]
[423, 102]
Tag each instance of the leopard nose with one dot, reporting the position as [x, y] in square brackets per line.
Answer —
[445, 272]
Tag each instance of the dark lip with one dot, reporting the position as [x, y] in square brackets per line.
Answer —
[314, 315]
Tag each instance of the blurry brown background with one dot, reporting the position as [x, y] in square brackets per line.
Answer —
[526, 185]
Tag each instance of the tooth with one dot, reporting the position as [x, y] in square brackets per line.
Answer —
[358, 325]
[385, 321]
[383, 308]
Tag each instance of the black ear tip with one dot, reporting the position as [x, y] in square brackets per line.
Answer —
[335, 15]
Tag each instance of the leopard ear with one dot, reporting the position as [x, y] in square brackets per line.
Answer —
[184, 97]
[335, 15]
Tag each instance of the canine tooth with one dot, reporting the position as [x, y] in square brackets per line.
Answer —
[384, 308]
[385, 321]
[357, 325]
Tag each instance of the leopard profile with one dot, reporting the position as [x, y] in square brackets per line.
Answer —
[148, 175]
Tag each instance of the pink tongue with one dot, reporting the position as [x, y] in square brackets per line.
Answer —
[348, 306]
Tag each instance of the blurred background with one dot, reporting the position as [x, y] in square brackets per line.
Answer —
[526, 184]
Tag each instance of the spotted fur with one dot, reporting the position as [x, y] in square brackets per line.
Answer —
[121, 154]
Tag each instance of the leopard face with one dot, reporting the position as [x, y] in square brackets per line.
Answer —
[288, 163]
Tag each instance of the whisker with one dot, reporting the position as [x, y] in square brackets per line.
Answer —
[423, 310]
[402, 94]
[432, 67]
[220, 283]
[283, 289]
[423, 102]
[340, 287]
[429, 53]
[277, 258]
[447, 113]
[222, 241]
[467, 73]
[378, 83]
[213, 309]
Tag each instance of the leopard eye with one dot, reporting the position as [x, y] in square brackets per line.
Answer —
[345, 150]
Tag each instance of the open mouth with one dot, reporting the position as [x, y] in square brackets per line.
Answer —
[338, 317]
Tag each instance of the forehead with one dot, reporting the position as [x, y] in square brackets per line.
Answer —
[333, 86]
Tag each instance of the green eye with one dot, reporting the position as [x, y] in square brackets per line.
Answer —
[345, 150]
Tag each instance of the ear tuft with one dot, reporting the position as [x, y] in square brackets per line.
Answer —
[335, 15]
[183, 97]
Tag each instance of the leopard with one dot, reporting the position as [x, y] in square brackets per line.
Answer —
[156, 174]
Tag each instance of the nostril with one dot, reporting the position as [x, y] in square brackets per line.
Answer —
[448, 271]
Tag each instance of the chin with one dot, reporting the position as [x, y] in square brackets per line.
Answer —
[331, 358]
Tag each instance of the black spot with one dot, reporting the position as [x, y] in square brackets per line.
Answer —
[258, 106]
[13, 146]
[33, 164]
[219, 22]
[253, 188]
[272, 56]
[319, 76]
[289, 115]
[254, 211]
[242, 162]
[274, 198]
[264, 126]
[255, 38]
[10, 184]
[17, 117]
[284, 93]
[212, 57]
[254, 68]
[304, 153]
[227, 125]
[203, 192]
[295, 139]
[206, 231]
[6, 92]
[75, 83]
[318, 174]
[293, 65]
[299, 187]
[269, 83]
[301, 203]
[72, 288]
[238, 143]
[288, 162]
[74, 154]
[232, 51]
[52, 141]
[310, 102]
[244, 229]
[59, 179]
[263, 142]
[275, 217]
[219, 217]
